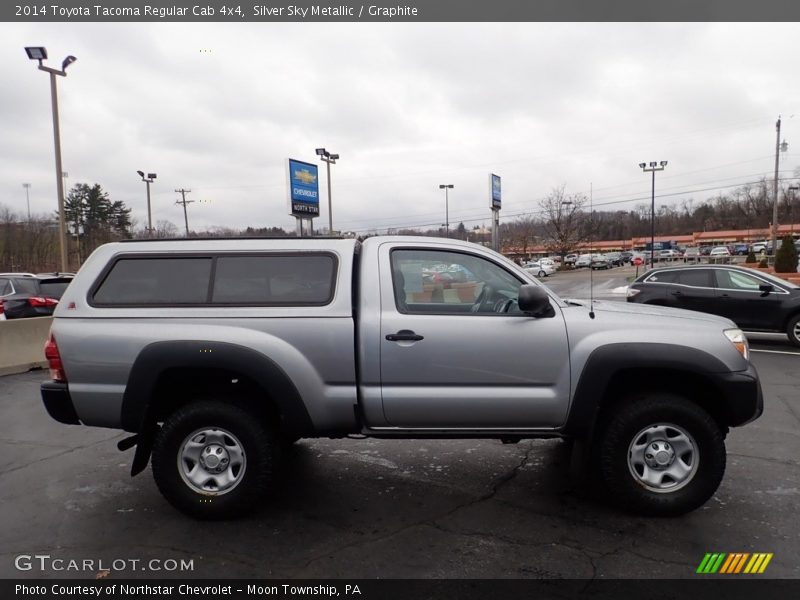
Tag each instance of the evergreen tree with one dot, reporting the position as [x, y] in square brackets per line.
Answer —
[786, 258]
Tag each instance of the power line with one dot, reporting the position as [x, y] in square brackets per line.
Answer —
[537, 212]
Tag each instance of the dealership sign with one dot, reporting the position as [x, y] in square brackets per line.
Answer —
[495, 183]
[303, 189]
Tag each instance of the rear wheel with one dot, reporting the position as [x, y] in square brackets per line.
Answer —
[542, 273]
[214, 459]
[793, 330]
[660, 454]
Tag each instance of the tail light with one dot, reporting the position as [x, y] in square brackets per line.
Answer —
[39, 301]
[54, 360]
[2, 306]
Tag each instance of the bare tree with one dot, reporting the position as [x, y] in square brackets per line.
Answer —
[564, 221]
[523, 232]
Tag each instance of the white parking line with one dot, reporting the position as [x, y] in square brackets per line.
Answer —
[775, 352]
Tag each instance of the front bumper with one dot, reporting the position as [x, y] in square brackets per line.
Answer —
[741, 391]
[58, 402]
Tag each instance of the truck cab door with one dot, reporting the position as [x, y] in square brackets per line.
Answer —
[455, 350]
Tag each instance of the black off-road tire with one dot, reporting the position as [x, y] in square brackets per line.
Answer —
[258, 443]
[793, 330]
[621, 428]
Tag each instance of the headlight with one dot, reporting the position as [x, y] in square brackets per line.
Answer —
[738, 339]
[631, 292]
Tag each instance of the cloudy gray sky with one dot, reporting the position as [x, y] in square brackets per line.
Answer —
[217, 108]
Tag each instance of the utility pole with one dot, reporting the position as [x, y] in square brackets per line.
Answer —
[183, 193]
[27, 187]
[778, 149]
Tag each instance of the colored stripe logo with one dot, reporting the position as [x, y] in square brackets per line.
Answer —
[734, 563]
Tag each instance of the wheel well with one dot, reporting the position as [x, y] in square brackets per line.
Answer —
[692, 386]
[180, 386]
[788, 319]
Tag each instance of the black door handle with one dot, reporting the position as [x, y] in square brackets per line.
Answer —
[677, 293]
[404, 335]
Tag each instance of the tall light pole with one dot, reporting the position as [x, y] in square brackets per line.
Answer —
[40, 53]
[446, 187]
[654, 166]
[778, 149]
[329, 158]
[27, 187]
[148, 180]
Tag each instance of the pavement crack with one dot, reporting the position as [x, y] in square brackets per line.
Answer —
[777, 461]
[52, 456]
[431, 522]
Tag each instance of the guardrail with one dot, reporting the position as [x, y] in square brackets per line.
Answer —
[22, 344]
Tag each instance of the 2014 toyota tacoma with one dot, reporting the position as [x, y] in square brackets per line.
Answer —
[216, 353]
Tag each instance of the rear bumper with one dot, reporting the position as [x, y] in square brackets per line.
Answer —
[58, 402]
[741, 390]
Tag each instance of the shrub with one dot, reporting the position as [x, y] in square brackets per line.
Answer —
[786, 259]
[763, 264]
[751, 257]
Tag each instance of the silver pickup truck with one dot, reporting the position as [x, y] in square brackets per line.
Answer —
[217, 353]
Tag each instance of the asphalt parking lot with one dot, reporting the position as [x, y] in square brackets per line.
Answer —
[392, 509]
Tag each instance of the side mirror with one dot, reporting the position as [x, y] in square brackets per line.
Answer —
[766, 288]
[534, 301]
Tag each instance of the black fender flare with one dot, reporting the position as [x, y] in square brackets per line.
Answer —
[607, 361]
[138, 414]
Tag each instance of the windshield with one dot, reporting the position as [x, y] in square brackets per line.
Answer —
[773, 279]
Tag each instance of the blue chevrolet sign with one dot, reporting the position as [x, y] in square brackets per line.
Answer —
[496, 198]
[303, 189]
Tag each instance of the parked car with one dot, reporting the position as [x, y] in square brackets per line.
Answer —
[668, 255]
[753, 300]
[705, 250]
[269, 340]
[600, 261]
[614, 258]
[741, 249]
[570, 259]
[584, 260]
[759, 247]
[691, 254]
[540, 269]
[25, 295]
[626, 256]
[720, 254]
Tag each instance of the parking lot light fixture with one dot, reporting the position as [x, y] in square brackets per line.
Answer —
[446, 187]
[329, 158]
[654, 166]
[39, 53]
[148, 180]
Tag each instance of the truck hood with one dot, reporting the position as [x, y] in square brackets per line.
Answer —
[631, 308]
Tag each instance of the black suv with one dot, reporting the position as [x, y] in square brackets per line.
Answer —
[753, 300]
[28, 295]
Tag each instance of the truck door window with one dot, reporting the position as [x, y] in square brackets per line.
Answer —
[435, 281]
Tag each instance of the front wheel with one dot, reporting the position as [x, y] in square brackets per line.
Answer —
[660, 454]
[793, 330]
[213, 459]
[542, 274]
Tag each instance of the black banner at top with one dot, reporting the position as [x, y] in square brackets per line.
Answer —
[398, 11]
